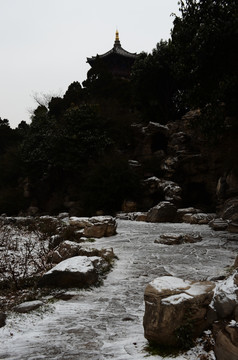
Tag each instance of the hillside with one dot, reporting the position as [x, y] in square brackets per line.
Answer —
[90, 151]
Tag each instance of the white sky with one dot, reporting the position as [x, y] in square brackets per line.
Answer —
[44, 43]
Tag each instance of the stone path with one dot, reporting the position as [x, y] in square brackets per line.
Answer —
[106, 322]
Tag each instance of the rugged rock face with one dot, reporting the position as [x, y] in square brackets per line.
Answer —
[180, 153]
[176, 310]
[161, 190]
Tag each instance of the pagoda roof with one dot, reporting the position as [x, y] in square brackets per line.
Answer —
[117, 49]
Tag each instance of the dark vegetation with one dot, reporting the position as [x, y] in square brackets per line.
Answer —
[76, 148]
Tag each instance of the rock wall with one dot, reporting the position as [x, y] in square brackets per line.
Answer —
[206, 171]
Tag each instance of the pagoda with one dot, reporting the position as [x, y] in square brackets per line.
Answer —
[117, 61]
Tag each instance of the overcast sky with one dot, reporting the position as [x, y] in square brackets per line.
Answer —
[44, 43]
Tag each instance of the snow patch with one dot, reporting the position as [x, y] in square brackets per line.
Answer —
[198, 289]
[170, 283]
[176, 299]
[233, 323]
[227, 287]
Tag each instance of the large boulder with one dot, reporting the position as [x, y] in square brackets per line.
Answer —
[78, 271]
[226, 346]
[163, 212]
[177, 310]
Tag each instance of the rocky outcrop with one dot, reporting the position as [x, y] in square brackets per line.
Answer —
[163, 212]
[161, 189]
[79, 271]
[68, 249]
[226, 346]
[176, 309]
[95, 227]
[180, 152]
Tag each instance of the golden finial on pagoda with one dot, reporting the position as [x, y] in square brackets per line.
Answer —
[117, 35]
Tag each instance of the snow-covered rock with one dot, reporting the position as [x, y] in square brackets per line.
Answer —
[78, 271]
[176, 310]
[225, 297]
[28, 306]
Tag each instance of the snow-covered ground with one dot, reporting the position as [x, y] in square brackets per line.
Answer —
[106, 322]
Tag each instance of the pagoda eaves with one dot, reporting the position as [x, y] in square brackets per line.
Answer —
[117, 60]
